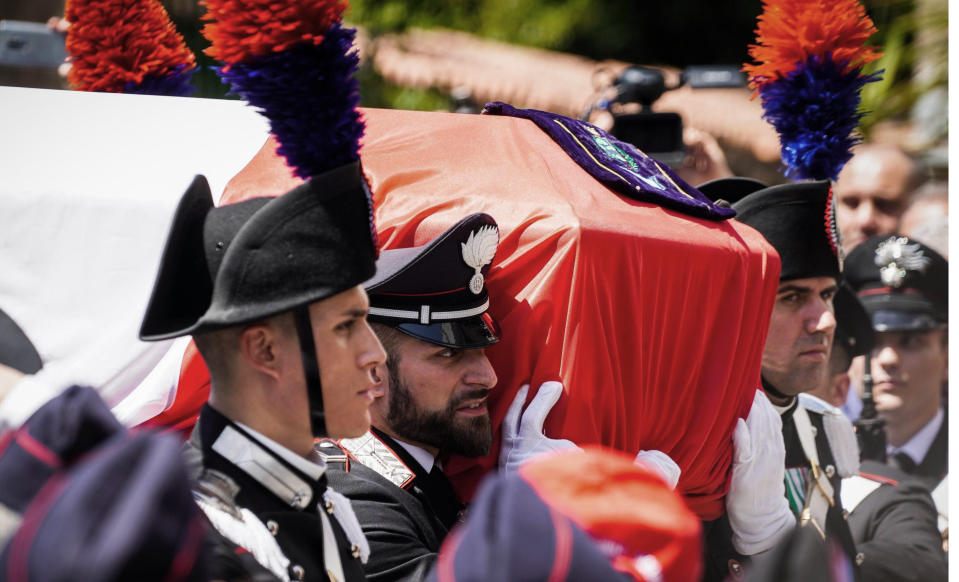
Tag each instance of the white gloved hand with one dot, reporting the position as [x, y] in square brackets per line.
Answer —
[662, 464]
[756, 503]
[523, 436]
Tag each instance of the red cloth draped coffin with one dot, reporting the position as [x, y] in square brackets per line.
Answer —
[653, 321]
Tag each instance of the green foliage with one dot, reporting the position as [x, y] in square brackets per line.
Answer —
[377, 92]
[913, 37]
[527, 22]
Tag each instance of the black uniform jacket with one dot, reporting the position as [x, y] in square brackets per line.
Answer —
[935, 465]
[836, 526]
[298, 529]
[404, 511]
[894, 525]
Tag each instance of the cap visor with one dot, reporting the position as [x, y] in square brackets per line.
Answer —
[885, 320]
[473, 332]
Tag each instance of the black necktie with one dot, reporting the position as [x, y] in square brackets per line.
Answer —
[442, 497]
[904, 462]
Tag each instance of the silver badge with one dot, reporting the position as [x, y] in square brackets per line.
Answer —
[895, 257]
[478, 251]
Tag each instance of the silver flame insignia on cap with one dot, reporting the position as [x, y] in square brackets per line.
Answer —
[478, 251]
[895, 257]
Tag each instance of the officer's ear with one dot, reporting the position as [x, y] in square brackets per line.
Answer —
[260, 348]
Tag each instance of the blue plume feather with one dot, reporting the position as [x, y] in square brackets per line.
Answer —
[815, 109]
[310, 95]
[174, 84]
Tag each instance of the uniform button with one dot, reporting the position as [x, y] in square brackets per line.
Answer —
[273, 527]
[329, 507]
[814, 430]
[298, 572]
[845, 514]
[830, 471]
[735, 570]
[355, 550]
[860, 558]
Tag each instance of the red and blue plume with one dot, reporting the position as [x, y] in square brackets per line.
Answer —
[294, 61]
[809, 59]
[127, 46]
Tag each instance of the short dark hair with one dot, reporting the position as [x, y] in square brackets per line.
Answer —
[219, 347]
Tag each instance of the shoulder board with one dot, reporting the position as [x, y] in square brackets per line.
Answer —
[839, 433]
[879, 478]
[855, 489]
[332, 454]
[378, 456]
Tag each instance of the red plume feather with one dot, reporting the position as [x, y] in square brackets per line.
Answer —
[240, 29]
[114, 44]
[791, 31]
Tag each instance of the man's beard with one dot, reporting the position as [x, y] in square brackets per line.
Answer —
[470, 437]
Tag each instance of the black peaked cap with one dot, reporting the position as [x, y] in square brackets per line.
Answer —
[902, 283]
[798, 221]
[247, 261]
[437, 292]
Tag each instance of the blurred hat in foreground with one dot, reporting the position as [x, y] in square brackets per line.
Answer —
[125, 514]
[642, 526]
[511, 534]
[55, 437]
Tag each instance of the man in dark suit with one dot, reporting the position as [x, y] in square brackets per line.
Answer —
[892, 517]
[270, 290]
[428, 307]
[903, 285]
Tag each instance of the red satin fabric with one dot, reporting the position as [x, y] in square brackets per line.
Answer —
[653, 321]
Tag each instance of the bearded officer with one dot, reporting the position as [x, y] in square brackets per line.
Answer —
[428, 306]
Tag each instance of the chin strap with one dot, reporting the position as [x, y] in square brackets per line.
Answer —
[314, 390]
[771, 390]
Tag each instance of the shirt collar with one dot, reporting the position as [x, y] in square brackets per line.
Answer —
[422, 456]
[787, 408]
[919, 444]
[312, 467]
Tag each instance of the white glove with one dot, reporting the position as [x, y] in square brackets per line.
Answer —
[662, 464]
[756, 503]
[523, 436]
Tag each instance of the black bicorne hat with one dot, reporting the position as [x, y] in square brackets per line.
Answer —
[16, 349]
[436, 292]
[798, 220]
[902, 283]
[244, 262]
[731, 189]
